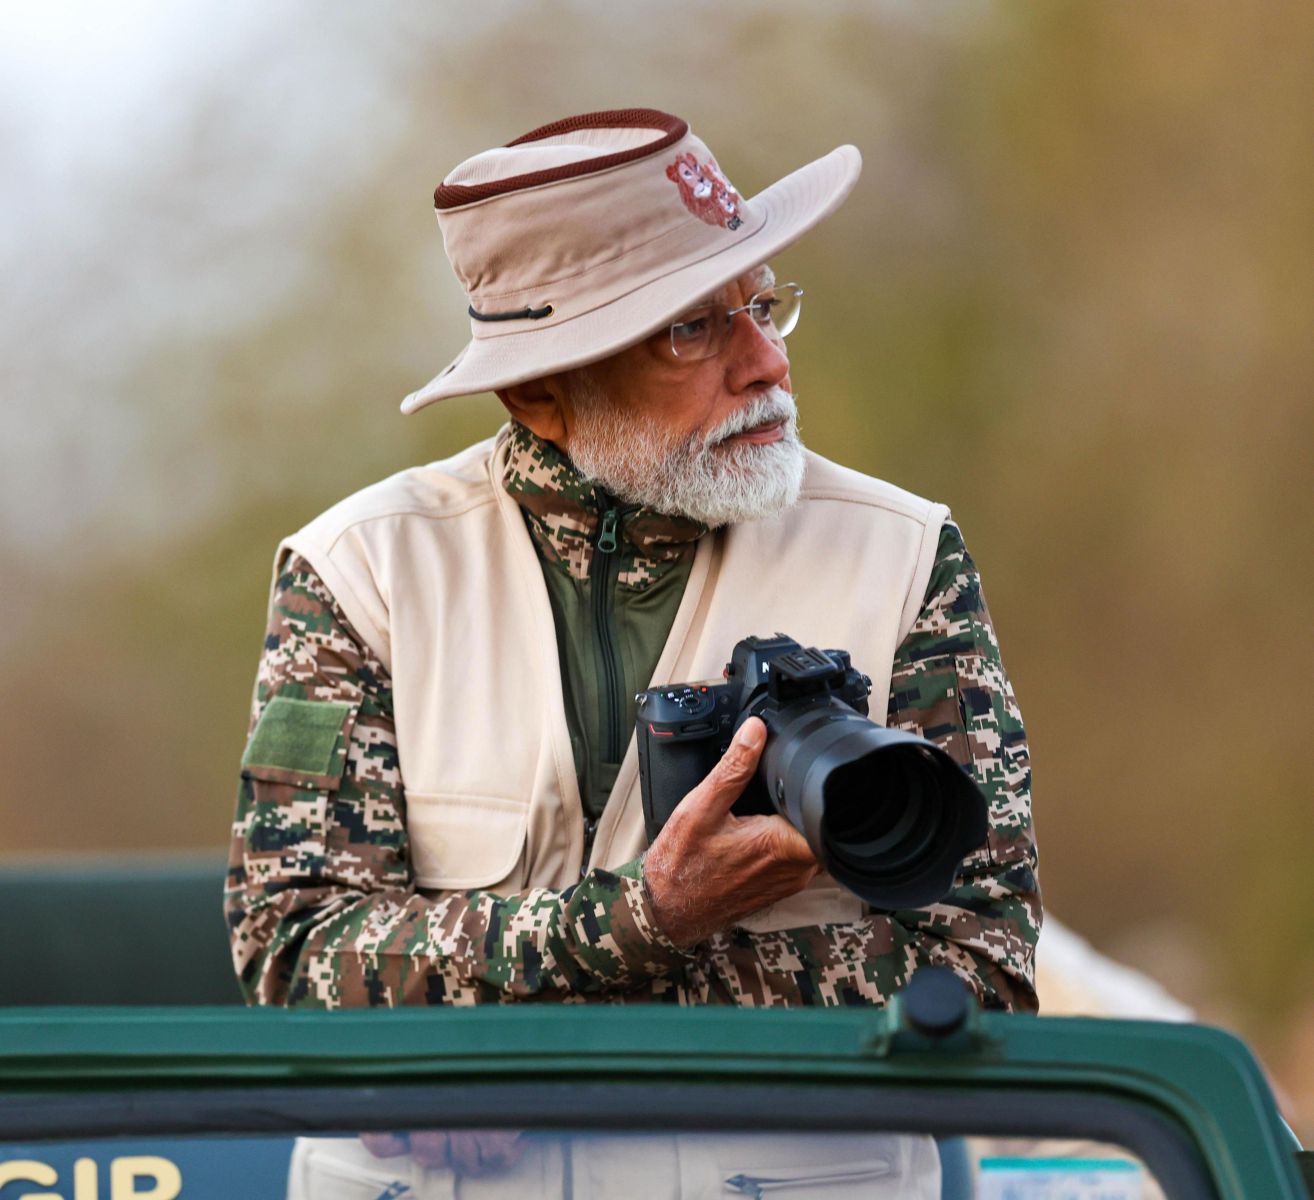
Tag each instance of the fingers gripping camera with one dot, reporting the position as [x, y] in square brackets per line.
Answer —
[890, 815]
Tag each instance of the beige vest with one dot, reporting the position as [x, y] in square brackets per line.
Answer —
[601, 1166]
[435, 569]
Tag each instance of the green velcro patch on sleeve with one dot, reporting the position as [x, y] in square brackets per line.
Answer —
[298, 735]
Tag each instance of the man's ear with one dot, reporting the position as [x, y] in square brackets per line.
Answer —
[541, 406]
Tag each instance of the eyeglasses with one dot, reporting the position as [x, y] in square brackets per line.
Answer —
[703, 331]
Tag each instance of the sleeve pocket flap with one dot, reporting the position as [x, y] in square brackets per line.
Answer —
[301, 742]
[462, 841]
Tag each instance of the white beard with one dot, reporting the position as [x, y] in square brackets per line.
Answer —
[694, 476]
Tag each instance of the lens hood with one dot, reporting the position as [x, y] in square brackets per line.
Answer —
[888, 814]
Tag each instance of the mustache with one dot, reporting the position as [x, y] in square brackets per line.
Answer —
[775, 404]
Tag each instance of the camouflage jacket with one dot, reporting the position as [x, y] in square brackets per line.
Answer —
[323, 909]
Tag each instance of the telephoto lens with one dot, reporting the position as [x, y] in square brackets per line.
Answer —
[889, 814]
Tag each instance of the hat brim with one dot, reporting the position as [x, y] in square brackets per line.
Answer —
[789, 208]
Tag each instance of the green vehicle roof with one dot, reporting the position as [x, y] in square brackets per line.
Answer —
[1202, 1082]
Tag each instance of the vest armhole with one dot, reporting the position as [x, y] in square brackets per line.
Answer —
[336, 580]
[922, 568]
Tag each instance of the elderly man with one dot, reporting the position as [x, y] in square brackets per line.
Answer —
[439, 800]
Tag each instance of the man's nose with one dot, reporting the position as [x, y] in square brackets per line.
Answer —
[753, 358]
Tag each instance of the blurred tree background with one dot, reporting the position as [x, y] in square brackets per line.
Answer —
[1069, 297]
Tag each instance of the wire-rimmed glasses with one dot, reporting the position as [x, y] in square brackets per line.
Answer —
[702, 332]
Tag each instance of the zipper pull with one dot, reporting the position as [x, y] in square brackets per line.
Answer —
[607, 542]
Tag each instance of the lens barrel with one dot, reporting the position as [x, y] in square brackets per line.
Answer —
[889, 814]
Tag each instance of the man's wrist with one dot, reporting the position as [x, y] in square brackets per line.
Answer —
[644, 911]
[613, 932]
[683, 935]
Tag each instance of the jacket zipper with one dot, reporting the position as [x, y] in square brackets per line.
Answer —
[603, 573]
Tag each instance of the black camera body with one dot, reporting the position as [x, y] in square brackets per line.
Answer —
[887, 813]
[685, 728]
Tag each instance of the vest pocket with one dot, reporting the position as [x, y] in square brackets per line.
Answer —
[460, 842]
[822, 902]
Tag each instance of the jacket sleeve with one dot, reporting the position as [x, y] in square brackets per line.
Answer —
[948, 685]
[321, 905]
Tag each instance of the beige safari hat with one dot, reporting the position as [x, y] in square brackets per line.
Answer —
[585, 236]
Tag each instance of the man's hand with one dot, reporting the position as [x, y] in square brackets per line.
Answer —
[707, 868]
[465, 1151]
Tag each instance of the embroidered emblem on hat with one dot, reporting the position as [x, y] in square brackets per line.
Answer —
[706, 193]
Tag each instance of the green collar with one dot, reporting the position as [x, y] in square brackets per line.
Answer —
[564, 514]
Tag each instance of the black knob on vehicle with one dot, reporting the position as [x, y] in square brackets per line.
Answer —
[936, 1002]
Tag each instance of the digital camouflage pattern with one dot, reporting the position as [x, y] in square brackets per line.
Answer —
[948, 684]
[323, 910]
[561, 508]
